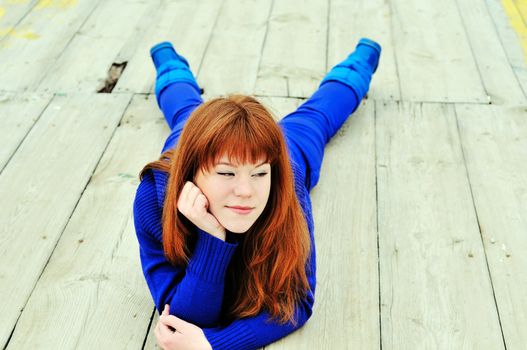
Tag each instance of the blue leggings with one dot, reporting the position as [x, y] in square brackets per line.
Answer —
[306, 130]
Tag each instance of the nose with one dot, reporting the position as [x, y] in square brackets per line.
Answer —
[243, 187]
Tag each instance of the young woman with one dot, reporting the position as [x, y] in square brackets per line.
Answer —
[224, 218]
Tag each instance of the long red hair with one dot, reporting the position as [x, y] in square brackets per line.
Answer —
[269, 271]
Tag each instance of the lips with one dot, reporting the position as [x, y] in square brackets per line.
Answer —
[241, 210]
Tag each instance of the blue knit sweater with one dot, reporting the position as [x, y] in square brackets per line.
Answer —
[195, 293]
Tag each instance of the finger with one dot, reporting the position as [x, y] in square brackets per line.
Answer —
[182, 198]
[193, 194]
[190, 188]
[201, 202]
[157, 334]
[176, 323]
[164, 331]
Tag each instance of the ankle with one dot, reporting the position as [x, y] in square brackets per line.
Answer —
[162, 53]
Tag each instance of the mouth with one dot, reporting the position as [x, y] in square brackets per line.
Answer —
[241, 210]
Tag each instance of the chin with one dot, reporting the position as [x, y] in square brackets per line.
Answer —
[237, 228]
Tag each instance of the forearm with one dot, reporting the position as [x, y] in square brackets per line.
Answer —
[198, 298]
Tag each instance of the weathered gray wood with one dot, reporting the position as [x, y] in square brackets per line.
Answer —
[42, 184]
[279, 107]
[231, 61]
[187, 24]
[351, 20]
[93, 288]
[510, 39]
[496, 72]
[433, 55]
[18, 113]
[435, 287]
[495, 148]
[294, 55]
[10, 14]
[83, 67]
[26, 61]
[346, 311]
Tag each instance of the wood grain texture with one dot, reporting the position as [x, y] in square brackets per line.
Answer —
[42, 184]
[174, 21]
[26, 59]
[294, 53]
[230, 64]
[434, 59]
[83, 66]
[510, 40]
[497, 75]
[435, 287]
[494, 140]
[18, 114]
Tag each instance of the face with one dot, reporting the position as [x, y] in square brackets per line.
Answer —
[236, 185]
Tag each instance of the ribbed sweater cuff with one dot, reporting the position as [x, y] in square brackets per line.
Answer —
[211, 257]
[235, 336]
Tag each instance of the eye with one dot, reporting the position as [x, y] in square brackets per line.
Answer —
[261, 174]
[225, 173]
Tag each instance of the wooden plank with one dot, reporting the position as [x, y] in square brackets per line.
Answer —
[174, 22]
[26, 61]
[229, 66]
[346, 310]
[83, 67]
[498, 77]
[12, 12]
[351, 20]
[513, 35]
[433, 55]
[435, 285]
[495, 146]
[100, 303]
[294, 55]
[18, 113]
[42, 184]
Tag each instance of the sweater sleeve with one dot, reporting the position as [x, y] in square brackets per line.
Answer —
[195, 292]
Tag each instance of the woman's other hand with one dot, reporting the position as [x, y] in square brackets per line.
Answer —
[194, 205]
[185, 335]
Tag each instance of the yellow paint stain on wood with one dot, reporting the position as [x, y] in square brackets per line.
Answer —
[515, 10]
[18, 33]
[55, 3]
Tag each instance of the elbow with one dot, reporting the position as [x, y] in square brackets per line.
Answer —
[305, 310]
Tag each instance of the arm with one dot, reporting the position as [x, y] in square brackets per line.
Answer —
[194, 293]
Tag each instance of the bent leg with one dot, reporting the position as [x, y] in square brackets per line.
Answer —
[308, 129]
[177, 101]
[315, 122]
[176, 88]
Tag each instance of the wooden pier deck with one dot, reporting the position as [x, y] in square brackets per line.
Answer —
[420, 213]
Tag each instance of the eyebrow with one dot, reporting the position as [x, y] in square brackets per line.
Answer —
[224, 163]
